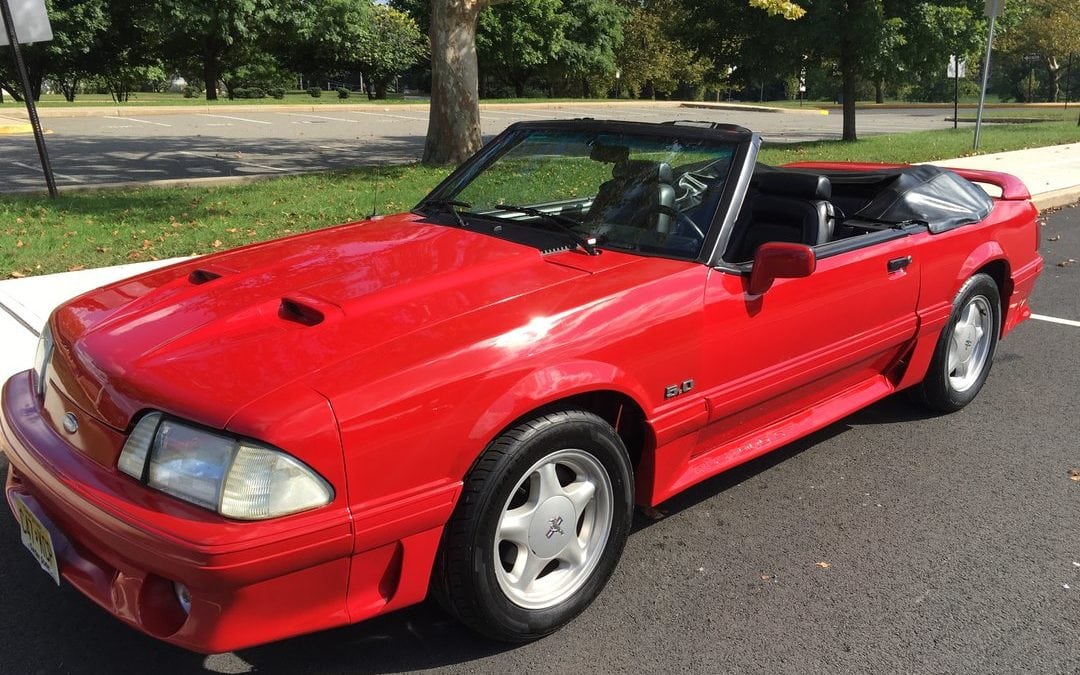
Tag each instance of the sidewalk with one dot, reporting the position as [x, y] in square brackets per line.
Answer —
[1051, 174]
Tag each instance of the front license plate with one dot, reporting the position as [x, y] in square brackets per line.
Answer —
[36, 538]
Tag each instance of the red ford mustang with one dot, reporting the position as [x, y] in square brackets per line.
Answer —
[470, 398]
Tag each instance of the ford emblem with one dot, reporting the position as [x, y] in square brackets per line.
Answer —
[71, 423]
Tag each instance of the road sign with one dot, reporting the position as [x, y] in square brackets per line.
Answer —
[31, 22]
[952, 67]
[993, 8]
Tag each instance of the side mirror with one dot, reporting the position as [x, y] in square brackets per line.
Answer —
[780, 260]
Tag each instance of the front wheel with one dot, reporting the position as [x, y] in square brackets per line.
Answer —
[965, 350]
[541, 524]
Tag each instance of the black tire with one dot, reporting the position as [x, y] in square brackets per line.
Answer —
[936, 392]
[465, 580]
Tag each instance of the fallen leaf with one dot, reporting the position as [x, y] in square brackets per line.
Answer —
[824, 565]
[1074, 474]
[76, 268]
[17, 275]
[217, 243]
[652, 513]
[1066, 263]
[766, 577]
[1056, 237]
[19, 244]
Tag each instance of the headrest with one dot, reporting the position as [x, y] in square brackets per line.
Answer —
[643, 169]
[609, 154]
[797, 185]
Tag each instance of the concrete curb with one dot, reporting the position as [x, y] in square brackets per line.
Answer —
[12, 129]
[755, 108]
[1057, 199]
[226, 108]
[212, 181]
[234, 109]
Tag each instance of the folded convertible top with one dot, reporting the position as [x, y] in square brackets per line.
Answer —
[930, 193]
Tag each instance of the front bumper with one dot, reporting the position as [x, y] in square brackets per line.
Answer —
[124, 547]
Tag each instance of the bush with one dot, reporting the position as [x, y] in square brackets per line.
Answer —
[343, 93]
[249, 92]
[278, 92]
[314, 92]
[191, 91]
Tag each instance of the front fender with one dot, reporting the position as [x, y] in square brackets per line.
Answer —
[552, 383]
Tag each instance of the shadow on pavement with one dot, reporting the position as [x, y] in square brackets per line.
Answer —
[188, 157]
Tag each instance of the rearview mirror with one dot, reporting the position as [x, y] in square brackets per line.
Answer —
[780, 260]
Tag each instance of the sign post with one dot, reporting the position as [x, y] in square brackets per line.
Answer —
[957, 69]
[993, 8]
[32, 16]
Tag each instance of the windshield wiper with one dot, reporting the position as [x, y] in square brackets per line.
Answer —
[560, 223]
[447, 206]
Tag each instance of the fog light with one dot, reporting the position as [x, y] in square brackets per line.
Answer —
[183, 595]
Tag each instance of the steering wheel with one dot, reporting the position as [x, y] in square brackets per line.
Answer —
[681, 219]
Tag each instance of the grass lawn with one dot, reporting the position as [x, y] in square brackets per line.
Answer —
[106, 227]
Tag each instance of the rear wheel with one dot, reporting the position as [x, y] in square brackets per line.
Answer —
[965, 350]
[539, 528]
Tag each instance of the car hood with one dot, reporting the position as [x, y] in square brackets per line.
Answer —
[204, 338]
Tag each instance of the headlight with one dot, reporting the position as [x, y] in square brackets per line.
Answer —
[41, 360]
[237, 478]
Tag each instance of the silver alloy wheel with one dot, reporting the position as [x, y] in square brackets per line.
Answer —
[969, 346]
[553, 529]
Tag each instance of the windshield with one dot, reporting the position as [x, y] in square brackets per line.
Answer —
[642, 193]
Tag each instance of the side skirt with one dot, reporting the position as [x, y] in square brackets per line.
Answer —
[772, 436]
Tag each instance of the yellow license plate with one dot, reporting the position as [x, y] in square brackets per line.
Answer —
[37, 539]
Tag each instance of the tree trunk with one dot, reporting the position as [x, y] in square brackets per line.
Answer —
[519, 89]
[454, 123]
[879, 90]
[380, 90]
[1054, 69]
[850, 86]
[211, 74]
[69, 87]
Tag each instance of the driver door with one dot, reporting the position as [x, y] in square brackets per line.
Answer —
[814, 346]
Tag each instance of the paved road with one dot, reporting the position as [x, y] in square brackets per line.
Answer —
[952, 544]
[95, 150]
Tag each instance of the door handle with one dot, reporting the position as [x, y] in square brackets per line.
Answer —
[897, 264]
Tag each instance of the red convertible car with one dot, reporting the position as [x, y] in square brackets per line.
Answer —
[469, 399]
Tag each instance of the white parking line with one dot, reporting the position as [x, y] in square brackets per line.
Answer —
[132, 119]
[238, 119]
[73, 179]
[236, 161]
[1054, 319]
[320, 117]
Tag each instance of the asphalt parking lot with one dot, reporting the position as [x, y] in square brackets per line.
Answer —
[889, 542]
[208, 144]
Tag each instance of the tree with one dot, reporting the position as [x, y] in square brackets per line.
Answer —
[77, 26]
[593, 33]
[934, 33]
[208, 34]
[393, 43]
[515, 41]
[653, 60]
[1051, 29]
[128, 54]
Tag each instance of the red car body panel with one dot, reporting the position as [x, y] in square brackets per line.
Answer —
[387, 354]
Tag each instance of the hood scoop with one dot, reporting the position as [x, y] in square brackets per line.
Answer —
[301, 311]
[201, 276]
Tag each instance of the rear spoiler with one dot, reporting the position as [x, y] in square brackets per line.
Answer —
[1012, 188]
